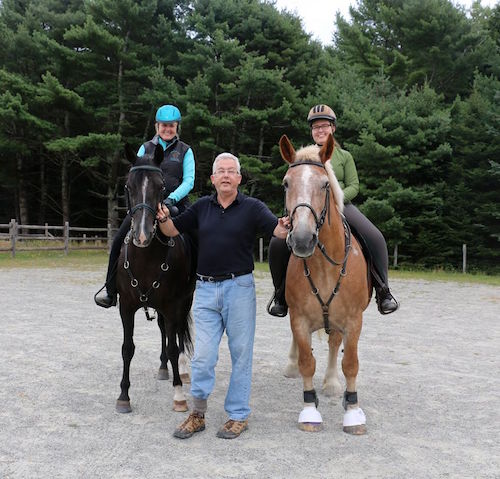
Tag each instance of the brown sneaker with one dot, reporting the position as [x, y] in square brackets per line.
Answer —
[232, 429]
[194, 423]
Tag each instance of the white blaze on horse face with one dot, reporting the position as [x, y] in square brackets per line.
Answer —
[307, 186]
[142, 228]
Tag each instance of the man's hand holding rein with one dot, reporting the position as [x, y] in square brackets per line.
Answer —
[166, 227]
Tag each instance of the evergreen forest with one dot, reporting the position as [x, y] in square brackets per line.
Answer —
[415, 85]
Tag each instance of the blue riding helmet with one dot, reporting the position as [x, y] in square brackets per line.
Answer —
[168, 113]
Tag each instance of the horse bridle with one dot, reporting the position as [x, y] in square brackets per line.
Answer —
[143, 297]
[326, 208]
[143, 206]
[319, 223]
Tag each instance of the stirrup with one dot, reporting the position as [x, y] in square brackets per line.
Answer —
[277, 309]
[383, 296]
[105, 301]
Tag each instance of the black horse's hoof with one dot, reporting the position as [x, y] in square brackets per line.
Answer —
[123, 406]
[163, 374]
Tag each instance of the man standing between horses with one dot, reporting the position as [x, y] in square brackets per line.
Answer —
[227, 223]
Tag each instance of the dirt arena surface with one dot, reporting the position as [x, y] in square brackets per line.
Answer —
[429, 384]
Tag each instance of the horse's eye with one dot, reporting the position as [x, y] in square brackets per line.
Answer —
[285, 184]
[326, 185]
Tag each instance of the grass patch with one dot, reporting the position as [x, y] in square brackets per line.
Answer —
[84, 259]
[97, 259]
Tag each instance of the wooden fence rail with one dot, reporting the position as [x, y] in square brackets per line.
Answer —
[75, 238]
[17, 237]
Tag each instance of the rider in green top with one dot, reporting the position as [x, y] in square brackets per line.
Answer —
[322, 120]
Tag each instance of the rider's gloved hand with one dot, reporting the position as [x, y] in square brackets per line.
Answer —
[170, 204]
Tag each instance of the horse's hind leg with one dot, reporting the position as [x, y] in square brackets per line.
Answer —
[180, 403]
[331, 382]
[354, 417]
[183, 362]
[163, 371]
[128, 349]
[292, 367]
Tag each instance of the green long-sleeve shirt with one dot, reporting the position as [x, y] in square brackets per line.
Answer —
[345, 170]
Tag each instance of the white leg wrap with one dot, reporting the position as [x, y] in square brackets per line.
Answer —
[310, 414]
[183, 364]
[354, 417]
[179, 394]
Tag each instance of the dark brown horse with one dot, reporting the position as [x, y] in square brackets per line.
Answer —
[326, 283]
[153, 272]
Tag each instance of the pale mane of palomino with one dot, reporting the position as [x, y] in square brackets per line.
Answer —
[311, 153]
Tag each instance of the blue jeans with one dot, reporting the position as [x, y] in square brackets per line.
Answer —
[228, 305]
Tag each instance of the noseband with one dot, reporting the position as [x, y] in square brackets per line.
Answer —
[143, 206]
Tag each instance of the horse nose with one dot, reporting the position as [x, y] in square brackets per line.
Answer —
[303, 243]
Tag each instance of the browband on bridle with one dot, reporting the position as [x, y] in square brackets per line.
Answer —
[139, 206]
[307, 162]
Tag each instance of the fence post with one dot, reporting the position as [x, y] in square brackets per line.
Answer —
[46, 230]
[110, 237]
[261, 250]
[395, 263]
[464, 258]
[13, 236]
[66, 237]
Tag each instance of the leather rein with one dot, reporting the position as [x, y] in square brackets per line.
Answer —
[319, 223]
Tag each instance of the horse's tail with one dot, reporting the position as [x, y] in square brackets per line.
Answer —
[184, 335]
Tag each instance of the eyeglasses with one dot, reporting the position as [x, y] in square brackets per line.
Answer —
[324, 126]
[222, 172]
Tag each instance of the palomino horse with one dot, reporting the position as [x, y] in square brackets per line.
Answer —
[156, 272]
[328, 262]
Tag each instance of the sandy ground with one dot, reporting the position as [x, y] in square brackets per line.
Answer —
[429, 384]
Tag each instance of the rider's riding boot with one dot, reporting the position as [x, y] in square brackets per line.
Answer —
[385, 300]
[106, 300]
[279, 308]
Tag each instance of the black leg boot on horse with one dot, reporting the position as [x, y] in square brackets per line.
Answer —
[108, 298]
[279, 254]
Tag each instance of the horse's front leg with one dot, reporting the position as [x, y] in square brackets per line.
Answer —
[180, 403]
[163, 370]
[331, 382]
[128, 349]
[309, 418]
[354, 417]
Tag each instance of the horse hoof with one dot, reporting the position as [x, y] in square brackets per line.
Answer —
[332, 390]
[310, 426]
[185, 378]
[180, 406]
[162, 374]
[291, 372]
[358, 430]
[123, 406]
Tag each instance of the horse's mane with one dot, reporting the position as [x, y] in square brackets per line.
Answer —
[311, 153]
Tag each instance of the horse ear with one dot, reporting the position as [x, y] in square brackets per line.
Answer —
[286, 149]
[327, 149]
[130, 153]
[158, 154]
